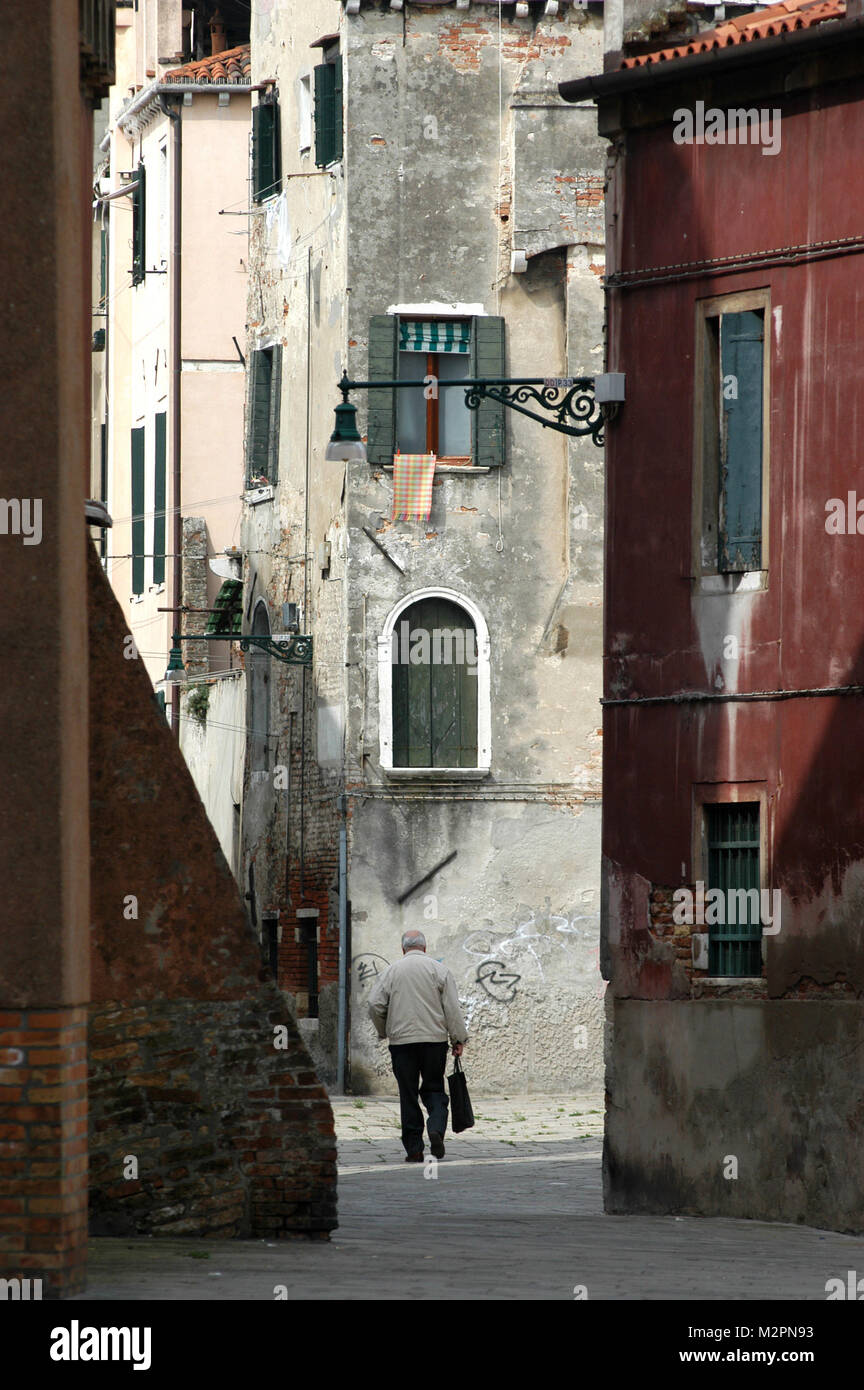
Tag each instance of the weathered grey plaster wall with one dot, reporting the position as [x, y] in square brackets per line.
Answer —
[514, 916]
[297, 297]
[458, 150]
[444, 193]
[774, 1086]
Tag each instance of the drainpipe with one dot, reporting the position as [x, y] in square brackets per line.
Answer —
[341, 1018]
[175, 116]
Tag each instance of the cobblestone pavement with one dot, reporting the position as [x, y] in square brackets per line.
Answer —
[514, 1212]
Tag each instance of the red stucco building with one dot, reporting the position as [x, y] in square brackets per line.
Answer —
[734, 627]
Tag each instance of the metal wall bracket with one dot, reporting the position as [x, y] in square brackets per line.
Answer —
[573, 405]
[293, 650]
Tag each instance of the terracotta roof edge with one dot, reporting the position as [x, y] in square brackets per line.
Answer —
[720, 57]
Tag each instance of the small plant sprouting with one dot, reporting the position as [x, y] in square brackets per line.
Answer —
[197, 703]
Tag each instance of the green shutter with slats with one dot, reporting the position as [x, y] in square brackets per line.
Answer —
[103, 265]
[487, 360]
[139, 226]
[740, 491]
[272, 469]
[258, 432]
[138, 511]
[266, 151]
[159, 485]
[328, 113]
[435, 704]
[337, 109]
[381, 404]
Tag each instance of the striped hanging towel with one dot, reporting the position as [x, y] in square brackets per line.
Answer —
[412, 486]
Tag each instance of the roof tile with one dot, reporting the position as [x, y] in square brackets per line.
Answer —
[747, 28]
[233, 68]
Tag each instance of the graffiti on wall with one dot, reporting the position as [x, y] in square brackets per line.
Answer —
[499, 983]
[366, 968]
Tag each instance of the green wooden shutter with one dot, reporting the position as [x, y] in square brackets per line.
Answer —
[740, 483]
[381, 404]
[139, 226]
[138, 511]
[487, 360]
[435, 704]
[266, 151]
[159, 486]
[337, 108]
[272, 469]
[328, 113]
[103, 265]
[258, 432]
[103, 483]
[452, 691]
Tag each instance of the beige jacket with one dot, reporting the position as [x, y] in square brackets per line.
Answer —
[415, 1000]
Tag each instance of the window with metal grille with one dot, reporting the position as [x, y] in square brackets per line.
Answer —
[266, 151]
[435, 687]
[328, 112]
[735, 943]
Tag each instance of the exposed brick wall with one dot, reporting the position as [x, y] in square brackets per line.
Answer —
[194, 582]
[231, 1135]
[310, 879]
[43, 1148]
[663, 927]
[462, 43]
[222, 1127]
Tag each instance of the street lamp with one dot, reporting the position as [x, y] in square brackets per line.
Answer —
[573, 405]
[345, 442]
[176, 670]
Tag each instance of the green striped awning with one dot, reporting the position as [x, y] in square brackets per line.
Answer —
[434, 335]
[228, 615]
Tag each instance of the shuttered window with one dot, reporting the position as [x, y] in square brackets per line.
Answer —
[740, 491]
[138, 510]
[735, 944]
[434, 687]
[139, 226]
[258, 707]
[266, 151]
[159, 485]
[328, 113]
[487, 360]
[733, 423]
[262, 436]
[407, 349]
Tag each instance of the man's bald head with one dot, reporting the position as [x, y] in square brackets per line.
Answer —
[413, 941]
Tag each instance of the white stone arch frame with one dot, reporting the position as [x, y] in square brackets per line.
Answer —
[385, 690]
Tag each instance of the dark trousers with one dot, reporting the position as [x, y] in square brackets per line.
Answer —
[411, 1062]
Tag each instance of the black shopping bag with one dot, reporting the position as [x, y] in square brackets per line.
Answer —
[461, 1114]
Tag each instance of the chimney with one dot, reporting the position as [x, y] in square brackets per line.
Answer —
[218, 41]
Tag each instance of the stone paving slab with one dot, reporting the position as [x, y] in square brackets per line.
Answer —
[497, 1222]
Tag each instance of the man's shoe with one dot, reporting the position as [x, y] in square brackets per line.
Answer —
[414, 1158]
[436, 1143]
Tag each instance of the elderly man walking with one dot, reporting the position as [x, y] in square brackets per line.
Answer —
[416, 1006]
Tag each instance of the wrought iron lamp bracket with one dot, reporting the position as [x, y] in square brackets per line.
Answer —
[293, 650]
[569, 403]
[569, 400]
